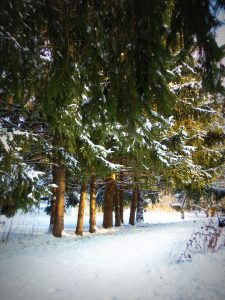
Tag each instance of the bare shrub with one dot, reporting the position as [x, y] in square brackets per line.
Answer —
[210, 238]
[9, 232]
[6, 233]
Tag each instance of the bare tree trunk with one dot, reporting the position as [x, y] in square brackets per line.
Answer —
[58, 220]
[121, 205]
[52, 212]
[133, 206]
[121, 198]
[140, 208]
[53, 200]
[108, 202]
[117, 207]
[213, 212]
[92, 221]
[80, 219]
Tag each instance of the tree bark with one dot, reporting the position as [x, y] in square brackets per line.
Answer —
[121, 198]
[80, 219]
[52, 212]
[117, 207]
[92, 221]
[140, 208]
[58, 220]
[133, 206]
[53, 200]
[108, 202]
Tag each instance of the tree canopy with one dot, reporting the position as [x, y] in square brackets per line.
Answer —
[117, 50]
[109, 85]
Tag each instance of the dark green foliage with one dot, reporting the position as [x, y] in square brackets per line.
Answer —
[21, 183]
[19, 191]
[116, 50]
[47, 210]
[116, 54]
[192, 24]
[71, 200]
[20, 49]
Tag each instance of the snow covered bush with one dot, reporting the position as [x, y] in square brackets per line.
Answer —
[210, 238]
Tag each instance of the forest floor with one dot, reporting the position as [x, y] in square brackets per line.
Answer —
[126, 263]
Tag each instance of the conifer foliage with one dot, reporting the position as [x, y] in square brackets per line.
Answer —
[107, 86]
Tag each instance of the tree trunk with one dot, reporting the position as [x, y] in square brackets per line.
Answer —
[108, 202]
[80, 219]
[53, 200]
[58, 220]
[133, 206]
[140, 208]
[52, 212]
[121, 198]
[92, 221]
[117, 207]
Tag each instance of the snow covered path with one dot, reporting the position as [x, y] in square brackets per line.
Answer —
[131, 263]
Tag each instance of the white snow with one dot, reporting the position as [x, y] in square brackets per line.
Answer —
[3, 140]
[85, 100]
[53, 185]
[32, 174]
[123, 263]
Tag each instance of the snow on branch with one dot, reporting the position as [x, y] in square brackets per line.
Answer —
[97, 149]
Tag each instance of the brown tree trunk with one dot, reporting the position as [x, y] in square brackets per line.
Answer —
[213, 212]
[80, 219]
[92, 221]
[108, 202]
[53, 200]
[133, 206]
[121, 205]
[52, 213]
[140, 208]
[117, 207]
[58, 220]
[121, 198]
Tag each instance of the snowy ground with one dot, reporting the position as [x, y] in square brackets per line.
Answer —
[127, 263]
